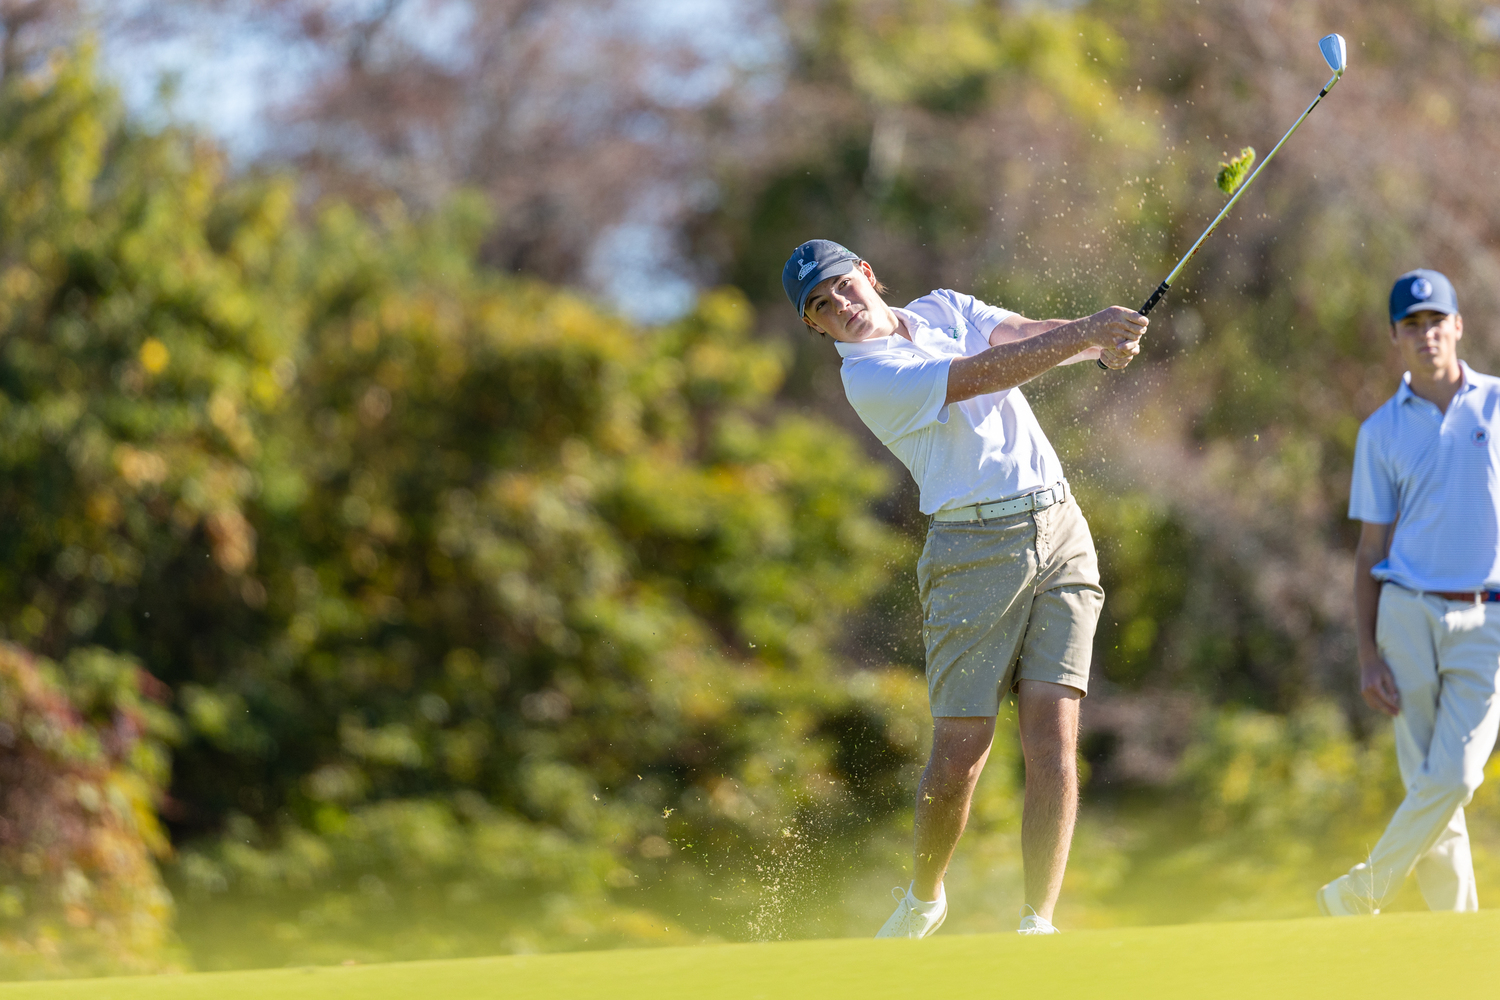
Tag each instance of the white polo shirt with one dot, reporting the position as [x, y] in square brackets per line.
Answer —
[1440, 473]
[986, 448]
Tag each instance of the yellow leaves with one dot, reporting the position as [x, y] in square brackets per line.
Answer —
[80, 155]
[19, 283]
[265, 387]
[202, 182]
[720, 359]
[364, 334]
[140, 468]
[232, 539]
[229, 307]
[1067, 57]
[135, 794]
[726, 310]
[224, 413]
[103, 508]
[914, 49]
[154, 356]
[948, 56]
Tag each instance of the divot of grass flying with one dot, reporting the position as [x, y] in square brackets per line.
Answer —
[1396, 956]
[1233, 173]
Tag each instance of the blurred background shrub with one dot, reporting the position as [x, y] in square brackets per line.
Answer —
[83, 764]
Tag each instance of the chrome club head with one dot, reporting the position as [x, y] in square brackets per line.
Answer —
[1335, 52]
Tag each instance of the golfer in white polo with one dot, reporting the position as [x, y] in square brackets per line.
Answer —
[1426, 586]
[1008, 578]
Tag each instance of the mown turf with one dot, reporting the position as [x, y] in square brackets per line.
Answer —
[1406, 956]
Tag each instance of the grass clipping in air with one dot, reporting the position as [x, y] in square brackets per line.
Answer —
[1233, 173]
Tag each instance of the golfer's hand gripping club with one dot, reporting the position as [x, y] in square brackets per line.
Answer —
[1336, 54]
[1117, 331]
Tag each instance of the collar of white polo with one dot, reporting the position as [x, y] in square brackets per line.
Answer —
[893, 342]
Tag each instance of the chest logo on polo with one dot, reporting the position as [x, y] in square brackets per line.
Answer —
[1480, 436]
[956, 331]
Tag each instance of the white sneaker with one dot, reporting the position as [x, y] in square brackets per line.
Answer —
[914, 918]
[1034, 923]
[1343, 896]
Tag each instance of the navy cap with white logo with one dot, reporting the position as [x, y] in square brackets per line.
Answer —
[812, 262]
[1422, 289]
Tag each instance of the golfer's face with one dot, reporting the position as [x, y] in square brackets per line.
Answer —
[842, 307]
[1428, 339]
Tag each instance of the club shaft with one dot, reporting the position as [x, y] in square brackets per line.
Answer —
[1161, 290]
[1248, 181]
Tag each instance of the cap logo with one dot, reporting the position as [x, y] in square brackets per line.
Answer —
[1421, 289]
[806, 266]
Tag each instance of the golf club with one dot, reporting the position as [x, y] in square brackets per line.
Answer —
[1336, 54]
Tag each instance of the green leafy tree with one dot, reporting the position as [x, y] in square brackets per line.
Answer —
[469, 596]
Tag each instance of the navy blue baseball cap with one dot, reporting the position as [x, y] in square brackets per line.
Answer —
[1422, 289]
[812, 262]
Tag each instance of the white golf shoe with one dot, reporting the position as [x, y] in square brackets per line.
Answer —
[914, 918]
[1033, 922]
[1348, 895]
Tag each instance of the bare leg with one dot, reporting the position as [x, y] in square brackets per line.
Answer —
[960, 746]
[1049, 742]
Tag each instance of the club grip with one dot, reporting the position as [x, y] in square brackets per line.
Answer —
[1156, 297]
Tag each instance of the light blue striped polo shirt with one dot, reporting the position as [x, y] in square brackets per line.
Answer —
[1440, 473]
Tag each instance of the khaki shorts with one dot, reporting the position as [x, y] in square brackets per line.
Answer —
[1005, 600]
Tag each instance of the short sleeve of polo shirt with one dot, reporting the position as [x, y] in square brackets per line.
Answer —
[896, 396]
[1372, 492]
[981, 316]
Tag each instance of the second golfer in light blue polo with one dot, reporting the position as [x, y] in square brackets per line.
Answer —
[1426, 486]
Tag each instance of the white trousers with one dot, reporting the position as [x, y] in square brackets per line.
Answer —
[1446, 658]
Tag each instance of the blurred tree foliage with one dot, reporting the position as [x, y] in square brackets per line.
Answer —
[456, 581]
[1051, 157]
[83, 763]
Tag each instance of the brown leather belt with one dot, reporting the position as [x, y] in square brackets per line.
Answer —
[1472, 596]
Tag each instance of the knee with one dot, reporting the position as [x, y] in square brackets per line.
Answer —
[1453, 786]
[953, 772]
[1470, 785]
[1051, 765]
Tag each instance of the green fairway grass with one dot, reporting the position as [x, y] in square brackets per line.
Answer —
[1405, 955]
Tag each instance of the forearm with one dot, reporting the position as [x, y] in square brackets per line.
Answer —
[1036, 326]
[1366, 605]
[1007, 365]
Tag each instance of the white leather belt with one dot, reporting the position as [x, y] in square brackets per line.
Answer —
[1040, 500]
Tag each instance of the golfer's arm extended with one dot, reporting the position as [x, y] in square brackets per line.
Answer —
[1017, 327]
[1374, 543]
[1011, 362]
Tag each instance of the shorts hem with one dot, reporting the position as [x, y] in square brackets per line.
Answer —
[1070, 679]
